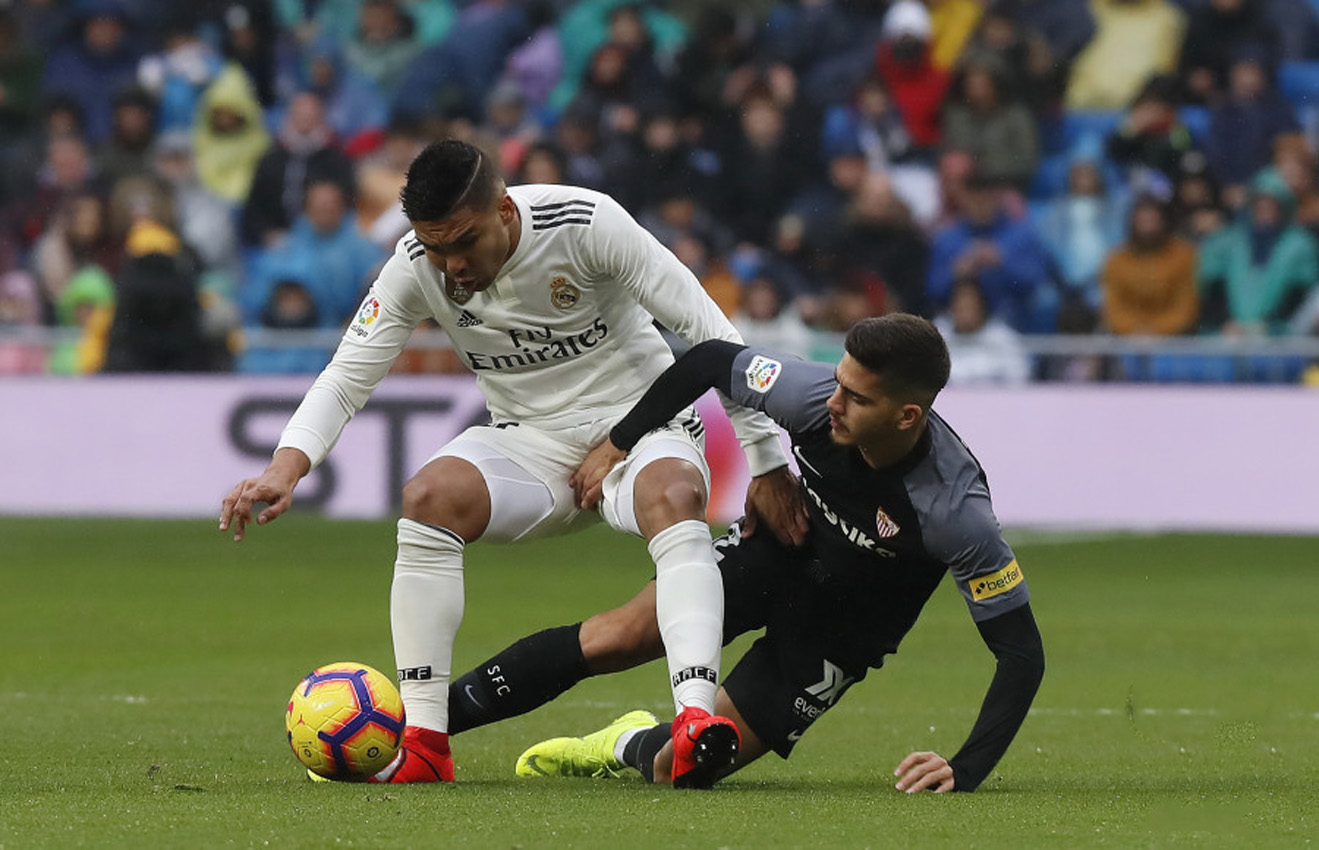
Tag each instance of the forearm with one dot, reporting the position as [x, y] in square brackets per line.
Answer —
[708, 364]
[1015, 641]
[343, 388]
[291, 462]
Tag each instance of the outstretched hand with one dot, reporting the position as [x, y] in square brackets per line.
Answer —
[776, 498]
[274, 487]
[588, 481]
[924, 771]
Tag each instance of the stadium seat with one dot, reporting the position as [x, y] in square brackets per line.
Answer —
[1078, 124]
[1196, 119]
[1050, 178]
[1279, 369]
[1299, 83]
[1191, 369]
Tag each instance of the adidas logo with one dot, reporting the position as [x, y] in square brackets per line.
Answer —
[467, 320]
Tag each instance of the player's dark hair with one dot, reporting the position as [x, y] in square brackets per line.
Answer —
[907, 353]
[447, 176]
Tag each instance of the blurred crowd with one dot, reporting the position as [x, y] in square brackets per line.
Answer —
[175, 176]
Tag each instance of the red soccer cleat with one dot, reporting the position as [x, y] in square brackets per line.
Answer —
[424, 757]
[705, 745]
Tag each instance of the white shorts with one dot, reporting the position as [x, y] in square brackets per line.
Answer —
[526, 470]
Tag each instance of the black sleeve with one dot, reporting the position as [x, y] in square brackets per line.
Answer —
[1015, 641]
[708, 364]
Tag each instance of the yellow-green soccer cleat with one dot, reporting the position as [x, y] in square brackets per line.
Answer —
[590, 756]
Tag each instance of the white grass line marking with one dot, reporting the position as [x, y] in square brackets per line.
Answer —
[1112, 712]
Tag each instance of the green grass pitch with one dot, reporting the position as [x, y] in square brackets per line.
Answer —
[146, 666]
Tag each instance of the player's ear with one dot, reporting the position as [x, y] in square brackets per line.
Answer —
[910, 416]
[507, 209]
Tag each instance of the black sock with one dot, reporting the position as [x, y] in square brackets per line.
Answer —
[524, 676]
[640, 752]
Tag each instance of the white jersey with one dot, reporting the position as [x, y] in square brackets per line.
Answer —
[564, 335]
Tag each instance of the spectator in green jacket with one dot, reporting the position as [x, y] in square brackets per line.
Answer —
[1256, 273]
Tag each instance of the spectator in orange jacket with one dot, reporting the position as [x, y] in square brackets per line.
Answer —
[1149, 282]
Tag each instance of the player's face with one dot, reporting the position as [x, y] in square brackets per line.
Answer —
[471, 246]
[860, 413]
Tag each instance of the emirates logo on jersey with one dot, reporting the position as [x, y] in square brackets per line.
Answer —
[885, 525]
[563, 294]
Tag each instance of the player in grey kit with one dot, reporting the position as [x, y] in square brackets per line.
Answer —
[895, 501]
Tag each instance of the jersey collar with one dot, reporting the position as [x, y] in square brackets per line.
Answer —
[524, 220]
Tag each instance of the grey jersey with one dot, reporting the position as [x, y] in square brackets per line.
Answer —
[884, 537]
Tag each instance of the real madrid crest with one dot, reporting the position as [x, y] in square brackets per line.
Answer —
[563, 294]
[457, 293]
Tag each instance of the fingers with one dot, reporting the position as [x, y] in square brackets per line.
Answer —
[227, 506]
[923, 771]
[776, 500]
[236, 509]
[795, 526]
[911, 759]
[275, 509]
[749, 523]
[791, 526]
[242, 512]
[593, 494]
[587, 488]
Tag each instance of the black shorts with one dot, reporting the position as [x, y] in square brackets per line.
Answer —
[809, 655]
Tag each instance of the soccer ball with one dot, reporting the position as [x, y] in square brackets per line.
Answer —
[345, 721]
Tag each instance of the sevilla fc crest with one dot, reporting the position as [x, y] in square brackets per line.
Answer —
[885, 525]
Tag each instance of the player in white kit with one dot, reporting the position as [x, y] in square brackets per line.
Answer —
[549, 293]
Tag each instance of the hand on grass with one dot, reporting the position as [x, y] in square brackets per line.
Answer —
[924, 771]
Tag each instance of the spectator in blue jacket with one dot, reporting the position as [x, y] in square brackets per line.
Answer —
[351, 99]
[96, 61]
[1243, 125]
[1080, 228]
[1004, 255]
[454, 77]
[177, 74]
[324, 250]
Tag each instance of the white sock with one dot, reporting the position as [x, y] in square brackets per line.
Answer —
[620, 746]
[425, 611]
[689, 604]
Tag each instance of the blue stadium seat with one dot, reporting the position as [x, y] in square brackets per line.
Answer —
[1081, 123]
[1299, 82]
[1278, 369]
[1050, 178]
[1196, 119]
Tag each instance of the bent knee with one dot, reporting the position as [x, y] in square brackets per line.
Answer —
[450, 493]
[668, 493]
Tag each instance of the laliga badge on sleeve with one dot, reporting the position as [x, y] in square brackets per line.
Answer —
[762, 373]
[366, 316]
